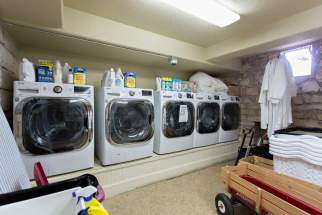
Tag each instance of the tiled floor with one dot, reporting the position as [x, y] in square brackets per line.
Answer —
[190, 194]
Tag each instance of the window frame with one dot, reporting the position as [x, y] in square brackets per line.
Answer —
[313, 48]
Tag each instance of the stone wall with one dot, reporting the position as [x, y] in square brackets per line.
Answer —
[8, 71]
[306, 106]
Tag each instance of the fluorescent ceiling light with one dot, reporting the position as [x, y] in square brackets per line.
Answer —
[207, 10]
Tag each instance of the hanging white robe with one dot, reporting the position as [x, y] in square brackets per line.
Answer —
[263, 98]
[275, 98]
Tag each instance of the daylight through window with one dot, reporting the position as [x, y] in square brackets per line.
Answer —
[300, 60]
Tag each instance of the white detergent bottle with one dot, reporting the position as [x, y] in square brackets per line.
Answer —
[27, 71]
[158, 83]
[111, 78]
[65, 72]
[119, 78]
[104, 79]
[58, 72]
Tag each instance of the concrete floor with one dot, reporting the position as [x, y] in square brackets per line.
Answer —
[190, 194]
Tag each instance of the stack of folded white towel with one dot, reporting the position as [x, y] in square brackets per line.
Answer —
[298, 156]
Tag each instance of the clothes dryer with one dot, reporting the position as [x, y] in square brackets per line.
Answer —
[175, 120]
[230, 118]
[207, 107]
[53, 124]
[125, 124]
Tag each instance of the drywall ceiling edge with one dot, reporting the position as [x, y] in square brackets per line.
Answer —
[114, 33]
[28, 36]
[102, 29]
[86, 25]
[292, 29]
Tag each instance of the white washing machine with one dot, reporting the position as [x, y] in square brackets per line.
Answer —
[174, 121]
[230, 118]
[53, 124]
[207, 117]
[125, 124]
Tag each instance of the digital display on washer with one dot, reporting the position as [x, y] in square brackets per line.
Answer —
[189, 95]
[146, 93]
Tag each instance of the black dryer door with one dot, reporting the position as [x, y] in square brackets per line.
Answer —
[178, 119]
[55, 125]
[230, 116]
[208, 115]
[129, 121]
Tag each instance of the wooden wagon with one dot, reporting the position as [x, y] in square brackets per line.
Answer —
[254, 184]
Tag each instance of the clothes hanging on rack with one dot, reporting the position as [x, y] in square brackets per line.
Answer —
[278, 87]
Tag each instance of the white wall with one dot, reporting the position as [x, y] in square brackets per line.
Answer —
[8, 71]
[145, 75]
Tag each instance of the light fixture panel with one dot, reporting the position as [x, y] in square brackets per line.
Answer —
[207, 10]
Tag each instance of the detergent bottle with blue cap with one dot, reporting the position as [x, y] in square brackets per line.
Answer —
[130, 79]
[86, 203]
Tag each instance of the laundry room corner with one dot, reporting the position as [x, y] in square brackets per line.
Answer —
[161, 107]
[247, 83]
[8, 71]
[128, 176]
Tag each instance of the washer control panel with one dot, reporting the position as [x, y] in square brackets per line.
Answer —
[189, 96]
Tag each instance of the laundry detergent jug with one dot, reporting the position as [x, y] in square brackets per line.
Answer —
[130, 79]
[108, 78]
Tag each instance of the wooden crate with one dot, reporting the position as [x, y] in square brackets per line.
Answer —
[262, 200]
[258, 161]
[268, 164]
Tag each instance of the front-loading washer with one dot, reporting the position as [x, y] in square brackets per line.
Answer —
[125, 124]
[207, 107]
[174, 121]
[230, 118]
[53, 124]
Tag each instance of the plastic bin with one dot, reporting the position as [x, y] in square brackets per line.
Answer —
[298, 153]
[52, 199]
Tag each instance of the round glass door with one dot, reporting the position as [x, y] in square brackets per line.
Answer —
[129, 121]
[208, 115]
[55, 125]
[231, 116]
[178, 119]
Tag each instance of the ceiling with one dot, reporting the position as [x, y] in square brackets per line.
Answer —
[32, 37]
[37, 12]
[157, 17]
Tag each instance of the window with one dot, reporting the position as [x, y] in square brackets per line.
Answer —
[300, 60]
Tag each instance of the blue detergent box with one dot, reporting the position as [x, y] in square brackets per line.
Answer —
[44, 74]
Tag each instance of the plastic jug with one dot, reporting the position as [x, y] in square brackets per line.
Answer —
[109, 78]
[80, 74]
[27, 71]
[65, 74]
[130, 79]
[119, 78]
[58, 72]
[158, 83]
